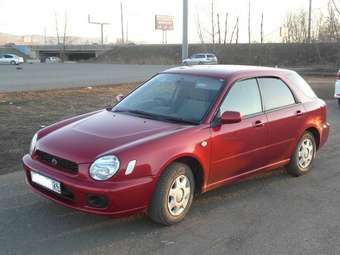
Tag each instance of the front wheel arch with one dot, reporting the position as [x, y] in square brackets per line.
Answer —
[196, 167]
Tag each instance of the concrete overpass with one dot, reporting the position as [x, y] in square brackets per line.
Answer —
[72, 52]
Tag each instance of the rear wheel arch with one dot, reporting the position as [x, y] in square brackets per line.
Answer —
[315, 132]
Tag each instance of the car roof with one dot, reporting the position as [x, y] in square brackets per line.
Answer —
[203, 53]
[226, 71]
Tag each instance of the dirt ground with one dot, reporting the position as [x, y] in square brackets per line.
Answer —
[23, 113]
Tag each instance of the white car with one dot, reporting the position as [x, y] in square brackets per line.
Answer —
[51, 60]
[337, 87]
[201, 59]
[11, 59]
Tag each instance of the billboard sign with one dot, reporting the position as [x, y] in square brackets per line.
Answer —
[164, 22]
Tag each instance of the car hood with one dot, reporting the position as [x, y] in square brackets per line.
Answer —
[82, 141]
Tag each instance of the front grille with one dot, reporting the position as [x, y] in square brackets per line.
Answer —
[59, 163]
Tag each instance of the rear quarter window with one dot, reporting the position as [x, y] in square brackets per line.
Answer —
[301, 84]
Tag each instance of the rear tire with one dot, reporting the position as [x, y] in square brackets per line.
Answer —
[173, 195]
[339, 102]
[304, 154]
[13, 62]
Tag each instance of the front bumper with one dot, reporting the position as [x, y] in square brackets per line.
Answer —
[123, 197]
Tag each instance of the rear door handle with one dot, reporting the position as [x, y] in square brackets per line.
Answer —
[258, 123]
[299, 113]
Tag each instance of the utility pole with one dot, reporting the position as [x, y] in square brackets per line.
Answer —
[262, 28]
[45, 37]
[122, 21]
[127, 32]
[101, 24]
[212, 22]
[249, 39]
[310, 21]
[185, 30]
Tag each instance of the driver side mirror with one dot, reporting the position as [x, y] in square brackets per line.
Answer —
[119, 97]
[230, 117]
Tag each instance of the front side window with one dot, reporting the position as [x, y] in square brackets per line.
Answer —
[173, 97]
[275, 93]
[244, 97]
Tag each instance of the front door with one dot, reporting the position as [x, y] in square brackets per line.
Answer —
[240, 147]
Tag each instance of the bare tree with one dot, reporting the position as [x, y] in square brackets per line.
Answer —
[296, 25]
[225, 28]
[236, 29]
[262, 28]
[218, 29]
[336, 7]
[199, 29]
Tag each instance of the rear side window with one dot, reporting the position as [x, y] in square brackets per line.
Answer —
[244, 97]
[298, 81]
[275, 93]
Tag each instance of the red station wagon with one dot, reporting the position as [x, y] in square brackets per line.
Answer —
[186, 130]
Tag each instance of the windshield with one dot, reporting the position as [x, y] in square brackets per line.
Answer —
[173, 97]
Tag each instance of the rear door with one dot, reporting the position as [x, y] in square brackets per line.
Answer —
[285, 117]
[240, 147]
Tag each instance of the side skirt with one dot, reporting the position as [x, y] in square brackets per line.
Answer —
[239, 177]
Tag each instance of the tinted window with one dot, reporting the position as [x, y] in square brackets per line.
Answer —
[275, 93]
[298, 81]
[198, 56]
[243, 97]
[210, 56]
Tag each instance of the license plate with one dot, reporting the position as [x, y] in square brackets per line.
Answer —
[46, 182]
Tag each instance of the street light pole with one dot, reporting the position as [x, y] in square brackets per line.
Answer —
[185, 30]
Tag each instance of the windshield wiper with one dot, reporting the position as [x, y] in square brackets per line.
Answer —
[137, 112]
[179, 120]
[157, 117]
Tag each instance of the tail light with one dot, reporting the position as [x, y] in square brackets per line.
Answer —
[338, 75]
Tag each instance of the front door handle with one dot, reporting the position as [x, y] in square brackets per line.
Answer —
[258, 123]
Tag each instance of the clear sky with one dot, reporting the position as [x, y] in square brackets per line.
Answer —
[32, 16]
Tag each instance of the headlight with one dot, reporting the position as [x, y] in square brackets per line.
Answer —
[104, 168]
[33, 143]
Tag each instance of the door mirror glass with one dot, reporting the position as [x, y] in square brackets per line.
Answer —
[119, 97]
[230, 117]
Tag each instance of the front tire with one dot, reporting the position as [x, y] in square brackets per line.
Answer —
[339, 102]
[173, 195]
[304, 154]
